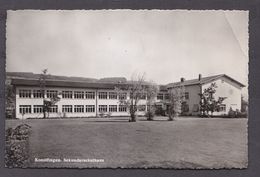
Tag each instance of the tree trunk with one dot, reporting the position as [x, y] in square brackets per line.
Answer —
[132, 118]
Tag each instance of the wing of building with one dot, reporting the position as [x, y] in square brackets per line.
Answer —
[226, 87]
[88, 97]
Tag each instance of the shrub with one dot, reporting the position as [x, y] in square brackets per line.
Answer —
[17, 146]
[159, 111]
[149, 115]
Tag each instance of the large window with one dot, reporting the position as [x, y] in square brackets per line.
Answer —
[25, 109]
[78, 94]
[66, 94]
[37, 108]
[160, 96]
[187, 95]
[79, 108]
[141, 107]
[53, 109]
[90, 95]
[167, 96]
[102, 95]
[113, 95]
[143, 96]
[222, 108]
[122, 108]
[102, 108]
[112, 108]
[52, 93]
[122, 96]
[25, 93]
[67, 108]
[38, 93]
[90, 108]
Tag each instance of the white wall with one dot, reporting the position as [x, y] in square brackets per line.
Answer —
[194, 98]
[229, 89]
[64, 101]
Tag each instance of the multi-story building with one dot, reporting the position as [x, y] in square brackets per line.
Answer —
[90, 98]
[227, 87]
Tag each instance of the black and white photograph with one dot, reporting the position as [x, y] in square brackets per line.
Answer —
[127, 89]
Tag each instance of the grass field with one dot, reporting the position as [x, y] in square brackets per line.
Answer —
[183, 143]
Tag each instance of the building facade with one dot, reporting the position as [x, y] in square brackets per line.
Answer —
[227, 87]
[93, 99]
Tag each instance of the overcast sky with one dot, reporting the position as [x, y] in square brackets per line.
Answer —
[165, 44]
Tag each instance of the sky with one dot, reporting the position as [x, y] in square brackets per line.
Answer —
[164, 44]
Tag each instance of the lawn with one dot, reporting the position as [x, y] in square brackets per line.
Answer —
[183, 143]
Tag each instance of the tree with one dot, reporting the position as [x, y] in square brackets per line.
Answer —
[47, 104]
[136, 88]
[208, 103]
[9, 99]
[151, 92]
[176, 98]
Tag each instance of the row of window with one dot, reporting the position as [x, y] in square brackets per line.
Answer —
[23, 93]
[166, 96]
[86, 95]
[26, 109]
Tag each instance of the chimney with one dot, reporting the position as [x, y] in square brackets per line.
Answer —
[182, 79]
[199, 77]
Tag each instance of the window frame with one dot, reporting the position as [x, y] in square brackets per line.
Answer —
[79, 95]
[25, 93]
[28, 109]
[112, 108]
[90, 108]
[67, 108]
[90, 95]
[100, 107]
[102, 95]
[79, 109]
[66, 94]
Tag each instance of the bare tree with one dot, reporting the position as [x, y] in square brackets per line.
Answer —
[176, 98]
[151, 92]
[42, 82]
[47, 104]
[136, 89]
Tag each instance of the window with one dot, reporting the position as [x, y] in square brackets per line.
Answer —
[112, 95]
[25, 93]
[37, 108]
[53, 109]
[66, 108]
[222, 108]
[66, 94]
[187, 95]
[141, 108]
[112, 108]
[102, 95]
[52, 93]
[38, 93]
[158, 106]
[122, 108]
[167, 96]
[78, 94]
[90, 108]
[25, 109]
[122, 96]
[90, 95]
[102, 108]
[160, 96]
[143, 96]
[131, 95]
[185, 107]
[79, 108]
[195, 108]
